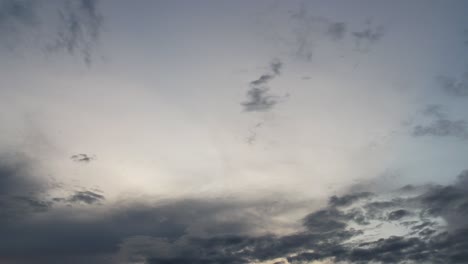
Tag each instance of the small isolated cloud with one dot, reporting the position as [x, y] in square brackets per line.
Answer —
[336, 31]
[368, 36]
[82, 158]
[453, 86]
[87, 197]
[259, 98]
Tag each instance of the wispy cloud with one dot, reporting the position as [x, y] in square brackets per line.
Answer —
[440, 125]
[336, 30]
[259, 97]
[453, 86]
[16, 16]
[366, 37]
[82, 158]
[79, 30]
[78, 25]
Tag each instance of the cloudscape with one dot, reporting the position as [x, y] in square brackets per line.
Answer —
[262, 132]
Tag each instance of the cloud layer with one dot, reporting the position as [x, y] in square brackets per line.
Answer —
[429, 221]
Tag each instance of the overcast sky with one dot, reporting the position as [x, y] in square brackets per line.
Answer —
[233, 131]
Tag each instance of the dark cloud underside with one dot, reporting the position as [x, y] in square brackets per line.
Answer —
[223, 231]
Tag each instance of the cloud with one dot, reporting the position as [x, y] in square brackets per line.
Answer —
[15, 16]
[14, 12]
[309, 28]
[440, 125]
[368, 36]
[398, 214]
[454, 87]
[20, 192]
[443, 128]
[465, 37]
[336, 31]
[78, 25]
[348, 199]
[87, 197]
[79, 28]
[431, 220]
[81, 158]
[259, 98]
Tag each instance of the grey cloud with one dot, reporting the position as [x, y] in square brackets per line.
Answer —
[348, 199]
[443, 128]
[253, 133]
[80, 26]
[308, 28]
[262, 80]
[224, 230]
[336, 31]
[87, 197]
[440, 125]
[276, 66]
[259, 98]
[82, 158]
[454, 87]
[368, 36]
[14, 12]
[434, 110]
[398, 214]
[465, 35]
[15, 15]
[21, 192]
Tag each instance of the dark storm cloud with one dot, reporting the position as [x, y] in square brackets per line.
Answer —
[225, 230]
[259, 98]
[79, 30]
[440, 125]
[453, 86]
[81, 158]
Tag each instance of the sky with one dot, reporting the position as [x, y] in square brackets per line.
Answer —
[233, 131]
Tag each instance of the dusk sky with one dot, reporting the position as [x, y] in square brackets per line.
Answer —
[263, 132]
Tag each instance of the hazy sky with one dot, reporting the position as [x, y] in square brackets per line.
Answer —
[216, 131]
